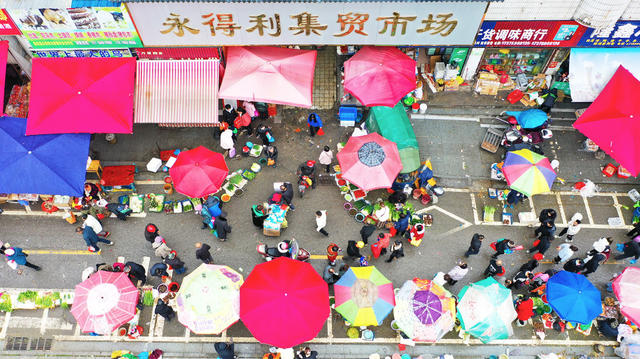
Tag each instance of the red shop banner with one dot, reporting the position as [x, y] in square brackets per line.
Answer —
[7, 26]
[529, 34]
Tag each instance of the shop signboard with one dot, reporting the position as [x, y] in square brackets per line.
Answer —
[322, 23]
[82, 53]
[620, 34]
[7, 26]
[77, 28]
[529, 34]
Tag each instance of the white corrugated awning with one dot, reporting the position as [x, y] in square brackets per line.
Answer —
[181, 93]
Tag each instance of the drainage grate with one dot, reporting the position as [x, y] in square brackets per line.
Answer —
[17, 343]
[25, 343]
[40, 344]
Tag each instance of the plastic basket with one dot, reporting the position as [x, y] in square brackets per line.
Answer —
[347, 113]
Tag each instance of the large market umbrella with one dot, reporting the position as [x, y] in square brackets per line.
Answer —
[612, 121]
[42, 164]
[198, 172]
[486, 311]
[284, 302]
[81, 95]
[379, 75]
[530, 118]
[424, 311]
[104, 301]
[269, 74]
[626, 287]
[528, 172]
[209, 299]
[370, 161]
[364, 296]
[573, 297]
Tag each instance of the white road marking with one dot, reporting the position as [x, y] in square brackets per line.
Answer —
[617, 205]
[586, 206]
[43, 321]
[474, 208]
[37, 323]
[5, 325]
[444, 117]
[561, 208]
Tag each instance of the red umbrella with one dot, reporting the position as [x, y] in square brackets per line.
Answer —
[198, 172]
[269, 74]
[613, 120]
[104, 301]
[284, 302]
[370, 161]
[379, 76]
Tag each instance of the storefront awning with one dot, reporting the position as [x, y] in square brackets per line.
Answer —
[180, 93]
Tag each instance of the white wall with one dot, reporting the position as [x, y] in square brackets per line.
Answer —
[532, 10]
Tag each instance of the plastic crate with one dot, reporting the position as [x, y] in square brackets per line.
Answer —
[348, 113]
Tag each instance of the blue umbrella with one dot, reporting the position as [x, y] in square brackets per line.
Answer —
[41, 164]
[573, 297]
[531, 118]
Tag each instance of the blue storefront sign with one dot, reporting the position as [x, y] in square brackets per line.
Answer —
[622, 34]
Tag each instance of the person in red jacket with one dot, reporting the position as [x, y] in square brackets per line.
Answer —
[332, 253]
[524, 308]
[417, 233]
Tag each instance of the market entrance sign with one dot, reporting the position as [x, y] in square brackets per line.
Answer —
[215, 24]
[77, 28]
[529, 34]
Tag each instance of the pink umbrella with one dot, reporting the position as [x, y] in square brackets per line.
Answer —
[370, 161]
[379, 76]
[81, 95]
[199, 172]
[104, 301]
[626, 287]
[613, 120]
[269, 74]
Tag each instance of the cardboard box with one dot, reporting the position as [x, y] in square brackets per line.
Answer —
[487, 84]
[271, 232]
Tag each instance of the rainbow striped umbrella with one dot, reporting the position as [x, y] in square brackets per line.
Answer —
[364, 296]
[528, 172]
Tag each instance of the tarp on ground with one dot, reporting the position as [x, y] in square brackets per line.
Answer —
[394, 125]
[41, 164]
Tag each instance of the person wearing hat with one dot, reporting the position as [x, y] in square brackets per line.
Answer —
[315, 123]
[151, 232]
[15, 257]
[222, 227]
[353, 249]
[332, 253]
[308, 169]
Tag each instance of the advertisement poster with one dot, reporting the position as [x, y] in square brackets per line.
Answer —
[621, 34]
[529, 34]
[314, 23]
[7, 27]
[82, 53]
[77, 28]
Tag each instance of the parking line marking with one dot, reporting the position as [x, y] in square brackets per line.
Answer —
[586, 206]
[43, 323]
[561, 208]
[474, 208]
[79, 252]
[616, 204]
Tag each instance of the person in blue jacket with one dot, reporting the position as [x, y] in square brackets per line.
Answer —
[315, 123]
[16, 254]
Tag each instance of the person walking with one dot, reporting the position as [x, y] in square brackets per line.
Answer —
[547, 229]
[151, 232]
[381, 245]
[16, 257]
[565, 251]
[136, 272]
[572, 229]
[541, 245]
[203, 254]
[366, 231]
[494, 268]
[593, 263]
[308, 169]
[457, 273]
[575, 265]
[503, 246]
[95, 224]
[353, 249]
[315, 123]
[547, 215]
[325, 158]
[222, 227]
[91, 239]
[524, 309]
[321, 222]
[396, 250]
[630, 249]
[474, 247]
[332, 253]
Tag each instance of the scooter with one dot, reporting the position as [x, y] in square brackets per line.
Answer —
[303, 184]
[286, 248]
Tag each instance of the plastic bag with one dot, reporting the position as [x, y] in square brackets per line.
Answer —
[589, 189]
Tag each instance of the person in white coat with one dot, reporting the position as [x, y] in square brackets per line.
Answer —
[321, 222]
[572, 229]
[227, 142]
[326, 156]
[382, 215]
[94, 223]
[457, 273]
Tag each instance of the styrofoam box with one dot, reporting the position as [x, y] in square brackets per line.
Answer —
[154, 165]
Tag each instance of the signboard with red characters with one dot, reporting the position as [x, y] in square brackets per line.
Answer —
[7, 26]
[529, 34]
